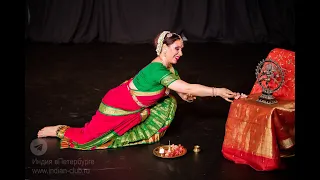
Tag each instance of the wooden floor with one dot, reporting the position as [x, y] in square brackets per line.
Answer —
[65, 83]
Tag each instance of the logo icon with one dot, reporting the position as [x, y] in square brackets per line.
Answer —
[38, 147]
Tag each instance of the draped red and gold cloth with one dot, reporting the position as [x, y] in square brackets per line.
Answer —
[255, 133]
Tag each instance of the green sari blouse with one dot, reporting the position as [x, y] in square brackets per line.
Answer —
[155, 76]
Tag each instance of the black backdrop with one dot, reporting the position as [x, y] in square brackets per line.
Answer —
[138, 21]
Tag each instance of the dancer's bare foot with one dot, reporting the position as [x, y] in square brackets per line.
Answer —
[49, 131]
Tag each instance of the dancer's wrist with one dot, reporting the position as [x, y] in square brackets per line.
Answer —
[214, 92]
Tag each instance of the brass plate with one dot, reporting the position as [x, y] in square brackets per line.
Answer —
[287, 155]
[166, 147]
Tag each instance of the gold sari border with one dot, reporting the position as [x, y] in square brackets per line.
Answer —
[144, 114]
[168, 79]
[61, 130]
[143, 93]
[111, 111]
[137, 101]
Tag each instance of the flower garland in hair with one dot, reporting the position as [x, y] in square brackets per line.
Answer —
[160, 41]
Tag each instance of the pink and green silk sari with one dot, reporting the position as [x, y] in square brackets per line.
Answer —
[128, 117]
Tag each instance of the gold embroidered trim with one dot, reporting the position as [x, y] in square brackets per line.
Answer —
[64, 143]
[141, 93]
[137, 101]
[111, 111]
[105, 145]
[144, 114]
[168, 79]
[61, 130]
[134, 97]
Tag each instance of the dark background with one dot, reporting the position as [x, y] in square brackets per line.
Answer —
[138, 21]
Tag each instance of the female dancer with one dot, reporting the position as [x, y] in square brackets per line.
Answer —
[140, 110]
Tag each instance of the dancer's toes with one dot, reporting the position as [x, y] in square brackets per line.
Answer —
[40, 133]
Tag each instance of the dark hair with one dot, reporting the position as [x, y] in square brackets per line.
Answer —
[167, 40]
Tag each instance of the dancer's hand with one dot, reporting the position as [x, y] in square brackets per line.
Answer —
[225, 93]
[187, 97]
[238, 95]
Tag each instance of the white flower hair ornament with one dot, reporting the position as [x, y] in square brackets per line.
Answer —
[160, 41]
[161, 38]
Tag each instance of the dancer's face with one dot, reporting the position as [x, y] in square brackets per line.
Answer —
[174, 51]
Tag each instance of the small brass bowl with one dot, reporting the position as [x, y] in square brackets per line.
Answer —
[196, 149]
